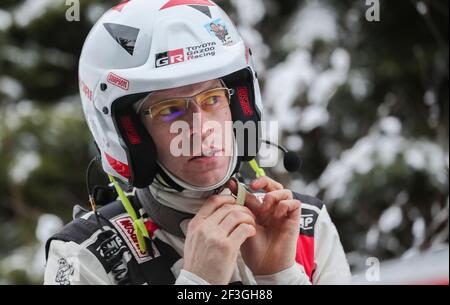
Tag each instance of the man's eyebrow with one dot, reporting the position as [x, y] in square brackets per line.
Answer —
[160, 99]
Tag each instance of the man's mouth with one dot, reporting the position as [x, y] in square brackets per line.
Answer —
[206, 154]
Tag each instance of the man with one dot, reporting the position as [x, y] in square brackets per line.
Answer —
[188, 219]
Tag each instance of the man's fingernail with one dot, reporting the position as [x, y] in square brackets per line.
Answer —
[255, 181]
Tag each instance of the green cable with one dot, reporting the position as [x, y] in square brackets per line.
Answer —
[258, 170]
[138, 223]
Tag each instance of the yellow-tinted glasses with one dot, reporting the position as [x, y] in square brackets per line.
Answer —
[173, 109]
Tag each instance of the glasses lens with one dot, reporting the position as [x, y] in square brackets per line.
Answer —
[214, 99]
[170, 110]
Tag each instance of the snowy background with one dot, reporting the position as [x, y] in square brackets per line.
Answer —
[365, 104]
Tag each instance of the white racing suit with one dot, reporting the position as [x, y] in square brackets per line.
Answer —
[103, 249]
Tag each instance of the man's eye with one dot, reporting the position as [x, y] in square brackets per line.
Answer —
[170, 111]
[211, 101]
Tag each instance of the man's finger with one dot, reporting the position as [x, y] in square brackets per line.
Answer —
[214, 203]
[267, 184]
[234, 219]
[251, 201]
[218, 216]
[286, 207]
[241, 233]
[272, 198]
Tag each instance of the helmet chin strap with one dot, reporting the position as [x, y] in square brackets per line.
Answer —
[183, 185]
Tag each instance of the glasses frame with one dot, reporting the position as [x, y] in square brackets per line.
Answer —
[148, 111]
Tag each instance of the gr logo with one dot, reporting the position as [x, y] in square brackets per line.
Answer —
[169, 58]
[306, 221]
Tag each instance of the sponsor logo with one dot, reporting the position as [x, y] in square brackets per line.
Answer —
[169, 58]
[244, 101]
[189, 53]
[64, 273]
[86, 91]
[219, 29]
[111, 247]
[200, 51]
[306, 221]
[130, 130]
[118, 81]
[120, 272]
[124, 225]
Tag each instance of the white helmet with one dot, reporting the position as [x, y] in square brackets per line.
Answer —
[141, 46]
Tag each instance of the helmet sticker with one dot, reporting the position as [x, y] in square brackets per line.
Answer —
[219, 29]
[86, 91]
[189, 53]
[118, 81]
[169, 58]
[124, 35]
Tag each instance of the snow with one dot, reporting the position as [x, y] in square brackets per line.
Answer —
[382, 146]
[95, 11]
[359, 84]
[23, 58]
[47, 225]
[312, 117]
[422, 8]
[430, 98]
[305, 29]
[23, 165]
[391, 126]
[31, 258]
[372, 238]
[415, 158]
[294, 143]
[11, 87]
[298, 75]
[31, 10]
[250, 12]
[418, 231]
[390, 219]
[300, 186]
[284, 83]
[5, 20]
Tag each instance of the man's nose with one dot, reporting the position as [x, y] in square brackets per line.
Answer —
[197, 120]
[195, 115]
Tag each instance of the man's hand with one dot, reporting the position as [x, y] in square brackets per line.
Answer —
[273, 248]
[214, 237]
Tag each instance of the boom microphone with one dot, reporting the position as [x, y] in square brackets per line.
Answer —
[291, 160]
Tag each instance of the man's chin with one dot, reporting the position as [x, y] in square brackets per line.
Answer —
[206, 178]
[207, 182]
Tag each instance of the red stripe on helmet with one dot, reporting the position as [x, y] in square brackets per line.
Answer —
[120, 6]
[121, 168]
[172, 3]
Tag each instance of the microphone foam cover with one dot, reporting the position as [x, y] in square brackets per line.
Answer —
[292, 162]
